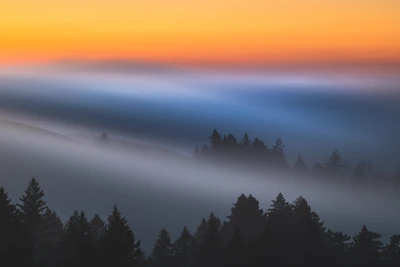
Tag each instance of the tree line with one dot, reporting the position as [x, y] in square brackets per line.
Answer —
[256, 154]
[31, 234]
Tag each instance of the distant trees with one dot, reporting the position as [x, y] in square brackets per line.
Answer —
[300, 164]
[255, 154]
[286, 234]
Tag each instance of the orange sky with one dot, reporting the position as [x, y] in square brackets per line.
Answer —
[201, 31]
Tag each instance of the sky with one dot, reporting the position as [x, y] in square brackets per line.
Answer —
[201, 32]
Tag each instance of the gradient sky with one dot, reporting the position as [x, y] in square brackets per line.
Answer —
[201, 31]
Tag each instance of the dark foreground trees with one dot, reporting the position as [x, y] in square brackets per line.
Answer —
[286, 234]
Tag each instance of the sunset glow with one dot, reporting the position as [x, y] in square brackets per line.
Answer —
[201, 32]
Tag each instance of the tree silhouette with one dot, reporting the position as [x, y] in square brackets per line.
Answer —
[162, 251]
[247, 217]
[118, 243]
[215, 139]
[235, 253]
[97, 227]
[183, 248]
[339, 247]
[78, 246]
[14, 251]
[300, 164]
[32, 210]
[309, 234]
[335, 162]
[367, 247]
[392, 251]
[210, 249]
[51, 231]
[278, 156]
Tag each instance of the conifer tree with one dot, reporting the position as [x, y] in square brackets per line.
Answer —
[78, 245]
[247, 217]
[183, 248]
[118, 243]
[278, 156]
[235, 253]
[392, 251]
[367, 247]
[97, 226]
[335, 162]
[13, 248]
[32, 210]
[215, 139]
[161, 255]
[300, 164]
[210, 249]
[51, 231]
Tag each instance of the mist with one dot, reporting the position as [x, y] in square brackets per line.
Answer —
[158, 188]
[51, 123]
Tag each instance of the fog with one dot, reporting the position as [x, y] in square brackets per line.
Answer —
[50, 124]
[155, 191]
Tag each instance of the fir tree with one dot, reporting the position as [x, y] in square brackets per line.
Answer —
[32, 210]
[392, 251]
[247, 217]
[235, 253]
[335, 162]
[161, 255]
[278, 156]
[183, 248]
[367, 247]
[300, 164]
[97, 226]
[210, 249]
[78, 246]
[118, 243]
[14, 251]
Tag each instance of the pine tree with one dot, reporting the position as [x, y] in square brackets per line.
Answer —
[97, 226]
[51, 231]
[161, 255]
[278, 156]
[215, 139]
[235, 253]
[277, 238]
[335, 162]
[210, 249]
[78, 245]
[247, 217]
[338, 247]
[32, 211]
[309, 234]
[118, 243]
[392, 251]
[13, 249]
[201, 230]
[183, 248]
[300, 164]
[279, 208]
[245, 142]
[367, 247]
